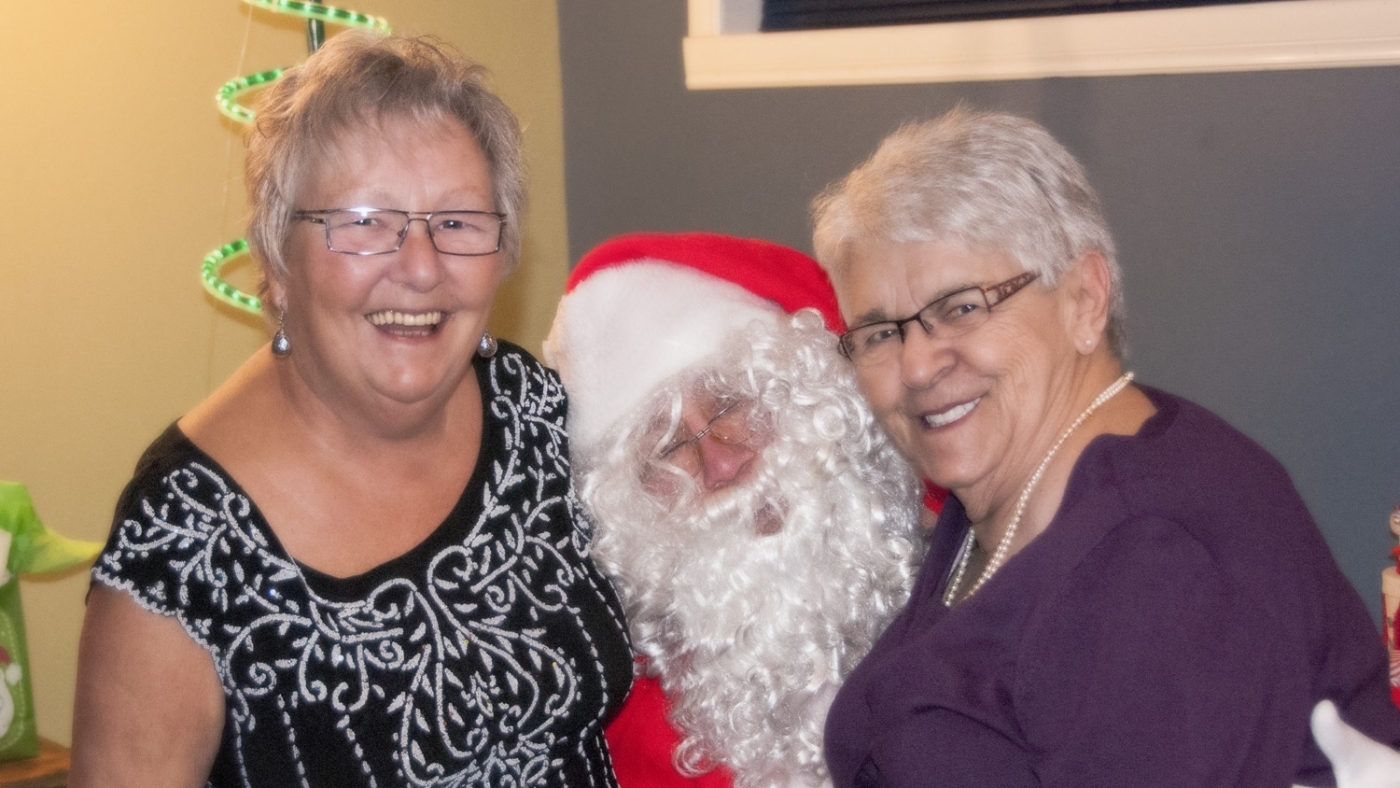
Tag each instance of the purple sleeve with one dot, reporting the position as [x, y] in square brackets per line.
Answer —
[1155, 665]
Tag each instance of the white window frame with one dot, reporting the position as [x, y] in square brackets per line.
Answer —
[724, 49]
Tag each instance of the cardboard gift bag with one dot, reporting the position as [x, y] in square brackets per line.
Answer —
[25, 546]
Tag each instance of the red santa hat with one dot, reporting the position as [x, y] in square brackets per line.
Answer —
[641, 308]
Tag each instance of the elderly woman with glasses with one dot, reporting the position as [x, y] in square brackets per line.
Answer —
[1123, 589]
[360, 562]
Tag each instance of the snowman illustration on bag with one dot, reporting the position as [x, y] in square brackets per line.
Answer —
[12, 672]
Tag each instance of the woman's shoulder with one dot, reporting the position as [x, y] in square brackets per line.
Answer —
[1188, 456]
[170, 449]
[181, 524]
[174, 466]
[1190, 477]
[170, 456]
[513, 374]
[1183, 427]
[509, 353]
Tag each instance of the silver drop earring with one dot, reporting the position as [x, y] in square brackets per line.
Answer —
[281, 346]
[486, 348]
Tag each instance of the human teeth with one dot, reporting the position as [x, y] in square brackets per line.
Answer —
[391, 317]
[951, 415]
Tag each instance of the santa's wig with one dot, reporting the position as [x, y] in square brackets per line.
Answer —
[752, 602]
[750, 627]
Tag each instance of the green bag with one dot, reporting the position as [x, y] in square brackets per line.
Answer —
[25, 546]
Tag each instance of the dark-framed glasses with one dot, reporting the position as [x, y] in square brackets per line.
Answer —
[951, 316]
[366, 231]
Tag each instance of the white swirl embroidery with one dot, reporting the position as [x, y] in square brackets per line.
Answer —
[470, 661]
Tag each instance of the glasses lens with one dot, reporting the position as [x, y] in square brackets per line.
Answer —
[872, 344]
[364, 232]
[732, 426]
[466, 232]
[677, 457]
[957, 313]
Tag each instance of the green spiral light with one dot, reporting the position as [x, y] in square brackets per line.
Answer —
[229, 93]
[222, 290]
[324, 13]
[316, 14]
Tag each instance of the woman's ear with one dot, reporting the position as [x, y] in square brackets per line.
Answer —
[274, 294]
[1089, 288]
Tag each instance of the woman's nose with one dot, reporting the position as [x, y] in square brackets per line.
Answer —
[419, 262]
[923, 357]
[724, 464]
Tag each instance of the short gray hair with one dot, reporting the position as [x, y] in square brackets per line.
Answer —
[987, 179]
[355, 81]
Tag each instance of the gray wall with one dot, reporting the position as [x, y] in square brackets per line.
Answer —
[1256, 216]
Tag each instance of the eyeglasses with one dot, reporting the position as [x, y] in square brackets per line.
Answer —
[729, 426]
[951, 316]
[367, 231]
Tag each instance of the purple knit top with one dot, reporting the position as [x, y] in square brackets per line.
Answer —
[1173, 626]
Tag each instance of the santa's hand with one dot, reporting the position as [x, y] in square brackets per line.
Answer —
[1357, 761]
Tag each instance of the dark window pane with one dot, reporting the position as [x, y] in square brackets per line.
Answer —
[810, 14]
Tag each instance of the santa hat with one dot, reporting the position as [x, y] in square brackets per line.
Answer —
[640, 308]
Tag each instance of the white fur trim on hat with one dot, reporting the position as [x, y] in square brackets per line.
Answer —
[622, 332]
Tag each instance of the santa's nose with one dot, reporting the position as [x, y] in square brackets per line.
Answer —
[724, 464]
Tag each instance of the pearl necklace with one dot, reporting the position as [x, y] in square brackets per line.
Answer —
[1004, 546]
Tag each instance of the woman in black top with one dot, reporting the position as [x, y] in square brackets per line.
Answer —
[360, 561]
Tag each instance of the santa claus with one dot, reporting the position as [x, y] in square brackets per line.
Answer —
[760, 529]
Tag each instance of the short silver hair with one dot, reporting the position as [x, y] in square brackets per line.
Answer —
[988, 179]
[353, 83]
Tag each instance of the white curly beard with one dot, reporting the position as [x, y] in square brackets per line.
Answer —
[751, 630]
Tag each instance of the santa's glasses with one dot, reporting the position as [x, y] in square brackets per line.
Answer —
[728, 424]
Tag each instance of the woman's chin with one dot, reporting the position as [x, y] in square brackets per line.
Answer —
[415, 382]
[938, 454]
[412, 368]
[946, 469]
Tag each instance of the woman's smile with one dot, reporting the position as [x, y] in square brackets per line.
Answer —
[406, 324]
[947, 416]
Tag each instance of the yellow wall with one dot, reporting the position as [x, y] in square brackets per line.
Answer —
[117, 175]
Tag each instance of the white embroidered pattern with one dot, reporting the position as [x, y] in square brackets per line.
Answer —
[482, 665]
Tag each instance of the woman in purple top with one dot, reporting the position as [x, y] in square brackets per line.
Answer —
[1124, 590]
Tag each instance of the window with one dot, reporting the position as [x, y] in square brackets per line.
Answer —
[725, 50]
[821, 14]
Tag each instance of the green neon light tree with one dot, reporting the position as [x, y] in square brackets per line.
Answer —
[316, 15]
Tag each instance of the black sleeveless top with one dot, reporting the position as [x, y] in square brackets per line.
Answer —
[488, 655]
